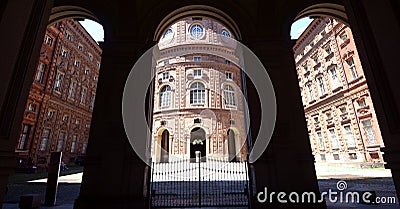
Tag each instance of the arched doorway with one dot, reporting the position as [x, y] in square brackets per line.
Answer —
[198, 143]
[164, 146]
[231, 145]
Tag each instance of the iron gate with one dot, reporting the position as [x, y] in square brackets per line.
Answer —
[215, 183]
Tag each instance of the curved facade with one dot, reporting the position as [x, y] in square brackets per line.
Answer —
[198, 101]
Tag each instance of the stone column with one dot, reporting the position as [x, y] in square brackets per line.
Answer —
[22, 24]
[376, 29]
[287, 165]
[113, 175]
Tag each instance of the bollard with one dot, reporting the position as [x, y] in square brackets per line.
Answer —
[52, 178]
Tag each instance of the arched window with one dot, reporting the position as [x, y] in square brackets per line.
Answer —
[197, 93]
[165, 96]
[229, 96]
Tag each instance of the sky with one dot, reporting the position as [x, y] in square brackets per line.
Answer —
[97, 32]
[94, 29]
[299, 26]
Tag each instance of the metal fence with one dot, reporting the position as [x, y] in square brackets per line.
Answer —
[215, 183]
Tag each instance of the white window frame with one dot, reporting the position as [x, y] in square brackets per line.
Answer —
[165, 76]
[351, 142]
[197, 73]
[333, 138]
[320, 139]
[310, 91]
[229, 76]
[321, 85]
[229, 96]
[369, 131]
[165, 96]
[197, 94]
[352, 67]
[334, 77]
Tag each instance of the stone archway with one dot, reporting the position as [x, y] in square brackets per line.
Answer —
[164, 142]
[198, 143]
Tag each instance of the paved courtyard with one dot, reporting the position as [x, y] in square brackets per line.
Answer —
[377, 180]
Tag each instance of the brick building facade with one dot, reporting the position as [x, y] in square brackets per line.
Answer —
[59, 108]
[341, 120]
[198, 100]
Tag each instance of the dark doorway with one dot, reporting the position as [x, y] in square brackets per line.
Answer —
[164, 155]
[198, 143]
[231, 145]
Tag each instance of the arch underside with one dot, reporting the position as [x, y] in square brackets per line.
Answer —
[325, 9]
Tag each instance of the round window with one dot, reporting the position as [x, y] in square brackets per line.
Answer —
[168, 33]
[225, 33]
[197, 31]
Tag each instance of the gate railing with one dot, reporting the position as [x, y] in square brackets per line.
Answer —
[183, 183]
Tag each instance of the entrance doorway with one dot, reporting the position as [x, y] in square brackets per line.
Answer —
[198, 143]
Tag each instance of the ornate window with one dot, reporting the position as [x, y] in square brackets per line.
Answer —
[165, 76]
[321, 85]
[165, 96]
[45, 139]
[72, 89]
[48, 40]
[58, 81]
[352, 68]
[349, 136]
[334, 77]
[334, 140]
[310, 92]
[83, 95]
[320, 141]
[229, 96]
[197, 93]
[369, 131]
[73, 143]
[64, 53]
[24, 136]
[84, 147]
[229, 76]
[197, 31]
[40, 72]
[225, 33]
[60, 142]
[197, 73]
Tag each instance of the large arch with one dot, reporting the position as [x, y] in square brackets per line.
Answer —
[59, 13]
